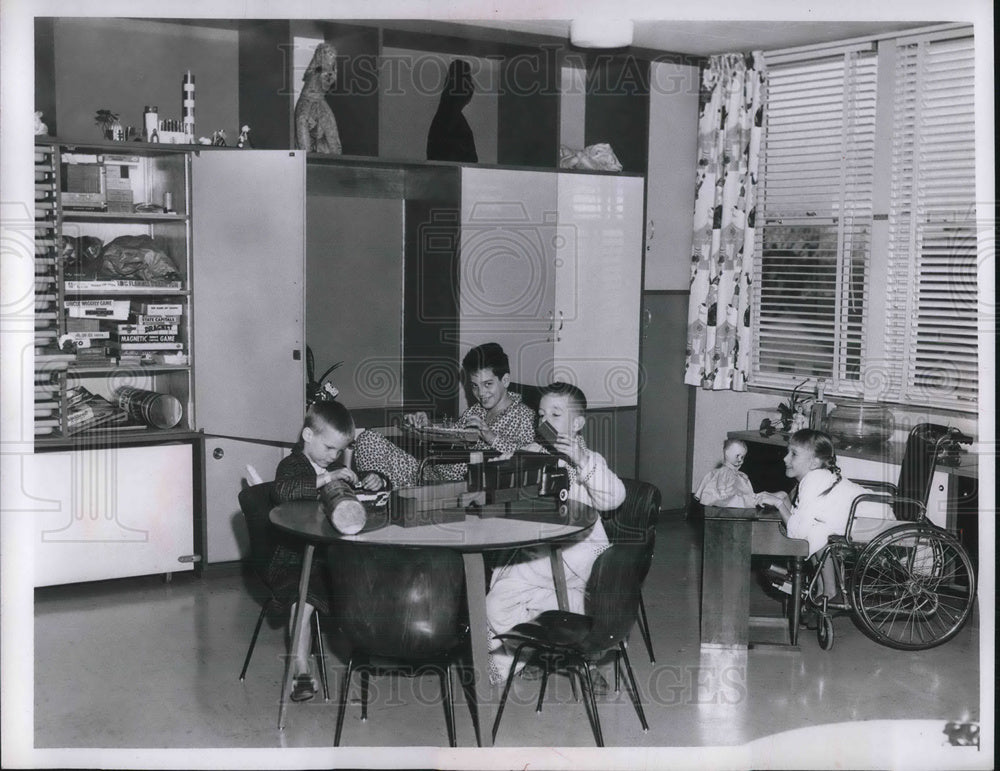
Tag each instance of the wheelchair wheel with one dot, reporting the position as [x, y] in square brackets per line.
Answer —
[913, 587]
[824, 632]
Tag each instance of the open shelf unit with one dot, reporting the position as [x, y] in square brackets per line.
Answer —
[114, 306]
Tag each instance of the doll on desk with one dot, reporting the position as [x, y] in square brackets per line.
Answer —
[726, 486]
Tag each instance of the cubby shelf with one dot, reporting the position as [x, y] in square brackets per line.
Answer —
[80, 329]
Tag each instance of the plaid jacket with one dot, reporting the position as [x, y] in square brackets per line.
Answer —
[295, 478]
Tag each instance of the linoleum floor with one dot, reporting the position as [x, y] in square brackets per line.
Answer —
[146, 663]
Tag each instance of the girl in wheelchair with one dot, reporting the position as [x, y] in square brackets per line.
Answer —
[820, 503]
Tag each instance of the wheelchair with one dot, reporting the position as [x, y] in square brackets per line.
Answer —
[912, 585]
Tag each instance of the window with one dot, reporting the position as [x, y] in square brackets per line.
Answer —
[865, 266]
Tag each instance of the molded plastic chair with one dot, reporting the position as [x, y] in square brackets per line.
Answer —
[402, 610]
[635, 522]
[572, 641]
[256, 504]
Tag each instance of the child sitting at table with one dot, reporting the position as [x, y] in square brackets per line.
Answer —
[502, 420]
[726, 485]
[820, 504]
[315, 461]
[523, 587]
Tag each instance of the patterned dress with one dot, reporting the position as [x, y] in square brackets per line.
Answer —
[513, 428]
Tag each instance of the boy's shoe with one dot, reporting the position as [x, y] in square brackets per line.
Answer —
[303, 688]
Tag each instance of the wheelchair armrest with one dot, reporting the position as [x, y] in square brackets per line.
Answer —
[875, 484]
[880, 498]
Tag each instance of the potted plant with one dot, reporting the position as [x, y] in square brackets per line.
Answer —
[110, 127]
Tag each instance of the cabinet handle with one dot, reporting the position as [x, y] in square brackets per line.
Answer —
[560, 321]
[551, 322]
[218, 453]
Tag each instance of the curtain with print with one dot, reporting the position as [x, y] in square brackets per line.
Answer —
[729, 134]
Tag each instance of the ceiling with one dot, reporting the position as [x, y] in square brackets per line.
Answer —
[704, 37]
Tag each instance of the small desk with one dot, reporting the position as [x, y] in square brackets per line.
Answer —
[732, 535]
[471, 536]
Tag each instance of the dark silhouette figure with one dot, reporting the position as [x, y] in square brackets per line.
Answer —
[450, 137]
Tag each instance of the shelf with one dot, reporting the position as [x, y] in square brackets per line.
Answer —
[81, 215]
[97, 370]
[116, 437]
[127, 291]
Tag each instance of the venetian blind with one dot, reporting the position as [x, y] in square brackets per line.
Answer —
[814, 221]
[931, 309]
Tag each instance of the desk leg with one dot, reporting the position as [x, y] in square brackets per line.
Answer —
[300, 611]
[725, 583]
[475, 592]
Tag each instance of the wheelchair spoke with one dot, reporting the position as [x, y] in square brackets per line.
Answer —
[913, 588]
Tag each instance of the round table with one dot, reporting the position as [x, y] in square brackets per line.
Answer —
[546, 522]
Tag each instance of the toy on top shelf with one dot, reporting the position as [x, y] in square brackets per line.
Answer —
[315, 124]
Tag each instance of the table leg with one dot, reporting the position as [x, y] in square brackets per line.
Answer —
[300, 611]
[475, 592]
[559, 578]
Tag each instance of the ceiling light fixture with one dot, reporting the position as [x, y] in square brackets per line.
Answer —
[601, 33]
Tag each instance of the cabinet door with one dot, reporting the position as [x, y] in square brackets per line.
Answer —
[598, 281]
[248, 268]
[226, 460]
[110, 513]
[510, 234]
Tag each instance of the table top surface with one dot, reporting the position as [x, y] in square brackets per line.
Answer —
[765, 514]
[471, 534]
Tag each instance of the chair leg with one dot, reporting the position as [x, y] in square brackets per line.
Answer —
[644, 629]
[468, 680]
[365, 678]
[506, 689]
[320, 655]
[253, 639]
[588, 696]
[633, 688]
[449, 705]
[344, 690]
[541, 691]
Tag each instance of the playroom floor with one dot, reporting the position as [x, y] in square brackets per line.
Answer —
[137, 663]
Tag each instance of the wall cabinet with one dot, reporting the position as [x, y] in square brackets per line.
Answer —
[110, 512]
[550, 268]
[246, 332]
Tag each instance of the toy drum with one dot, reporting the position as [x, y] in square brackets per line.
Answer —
[149, 407]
